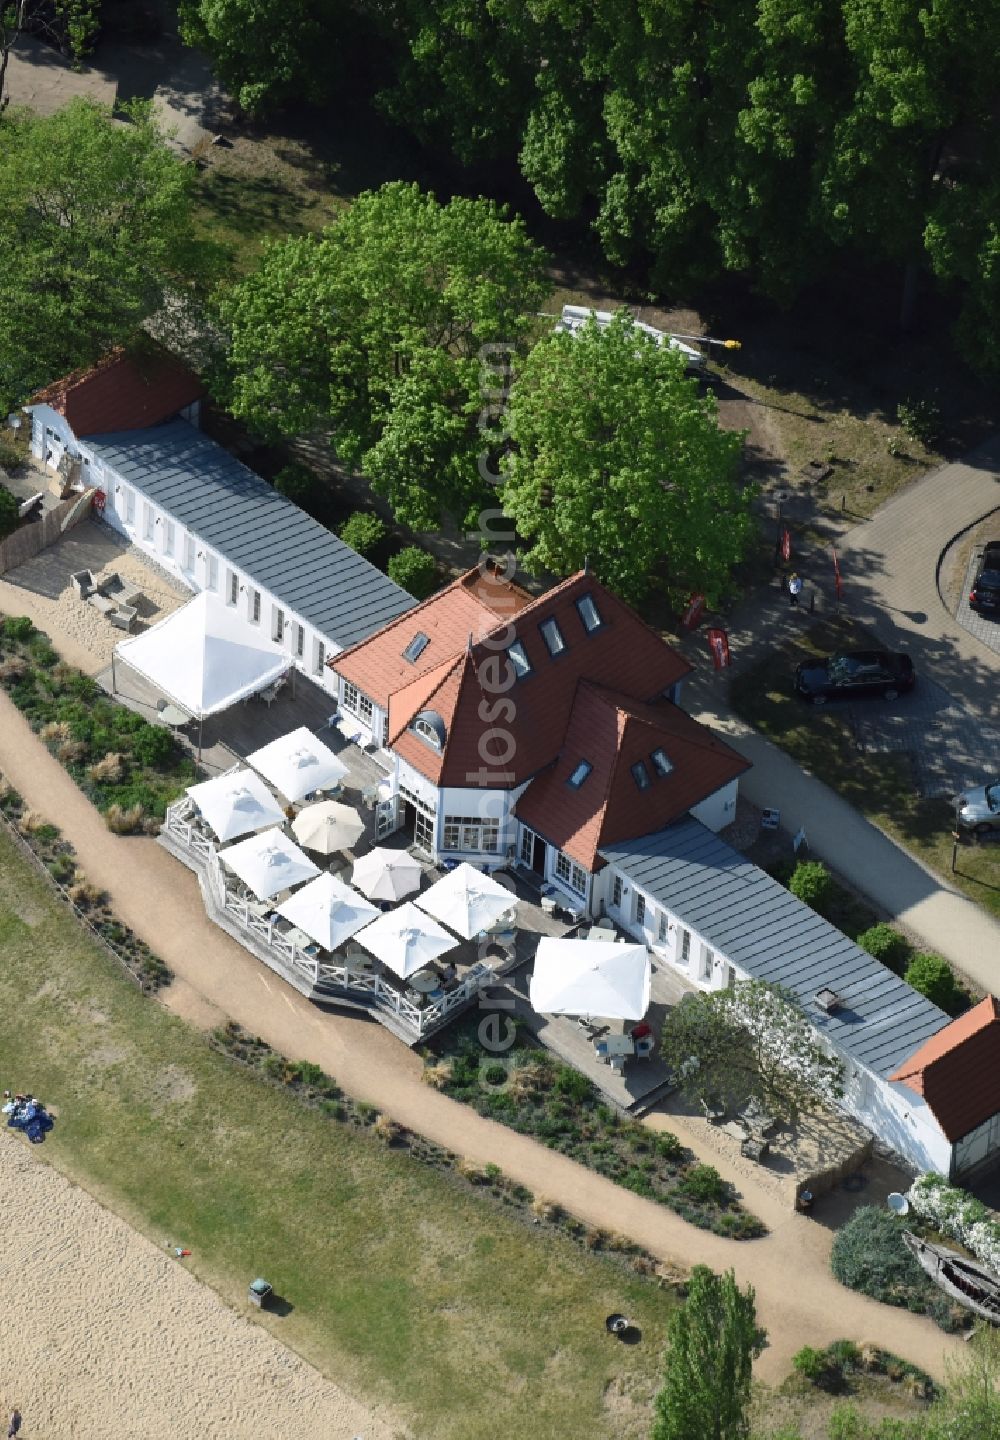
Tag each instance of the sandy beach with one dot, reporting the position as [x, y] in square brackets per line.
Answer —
[104, 1336]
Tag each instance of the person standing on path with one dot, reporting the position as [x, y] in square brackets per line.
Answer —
[794, 587]
[15, 1423]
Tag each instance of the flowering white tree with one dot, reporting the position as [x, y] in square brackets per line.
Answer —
[958, 1214]
[750, 1042]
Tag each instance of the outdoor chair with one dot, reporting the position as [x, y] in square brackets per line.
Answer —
[123, 616]
[83, 583]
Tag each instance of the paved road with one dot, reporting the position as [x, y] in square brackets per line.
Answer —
[799, 1301]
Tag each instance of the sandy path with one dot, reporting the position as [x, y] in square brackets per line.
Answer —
[105, 1336]
[799, 1301]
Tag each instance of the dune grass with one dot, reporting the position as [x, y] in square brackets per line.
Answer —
[403, 1283]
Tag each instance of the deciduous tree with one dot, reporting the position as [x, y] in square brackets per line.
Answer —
[616, 457]
[383, 327]
[712, 1341]
[95, 229]
[751, 1041]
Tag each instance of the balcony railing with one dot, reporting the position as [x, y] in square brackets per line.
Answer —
[330, 971]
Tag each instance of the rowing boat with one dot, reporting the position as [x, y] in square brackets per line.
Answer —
[973, 1286]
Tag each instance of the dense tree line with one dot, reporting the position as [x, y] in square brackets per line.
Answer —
[695, 138]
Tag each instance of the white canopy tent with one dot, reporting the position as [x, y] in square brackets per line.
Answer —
[236, 803]
[328, 910]
[580, 977]
[327, 827]
[269, 862]
[385, 874]
[406, 940]
[204, 657]
[467, 901]
[298, 764]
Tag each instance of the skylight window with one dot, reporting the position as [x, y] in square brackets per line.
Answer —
[553, 637]
[641, 776]
[589, 613]
[518, 657]
[662, 762]
[579, 774]
[416, 647]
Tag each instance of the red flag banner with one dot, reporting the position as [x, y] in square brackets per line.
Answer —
[693, 613]
[838, 582]
[786, 543]
[718, 643]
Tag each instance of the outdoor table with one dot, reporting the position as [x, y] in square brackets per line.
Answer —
[172, 715]
[611, 1046]
[424, 981]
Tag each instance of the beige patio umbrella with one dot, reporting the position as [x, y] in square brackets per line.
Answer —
[328, 826]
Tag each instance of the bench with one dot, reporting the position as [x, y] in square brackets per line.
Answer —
[26, 506]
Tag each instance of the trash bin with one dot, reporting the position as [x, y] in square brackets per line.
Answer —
[258, 1293]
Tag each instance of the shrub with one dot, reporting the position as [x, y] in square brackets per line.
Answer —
[921, 420]
[573, 1085]
[932, 976]
[869, 1256]
[844, 1354]
[8, 512]
[387, 1130]
[495, 1074]
[810, 1363]
[13, 668]
[704, 1184]
[301, 486]
[414, 570]
[546, 1209]
[471, 1171]
[668, 1146]
[121, 820]
[811, 883]
[153, 746]
[958, 1214]
[363, 531]
[84, 894]
[886, 945]
[18, 627]
[109, 770]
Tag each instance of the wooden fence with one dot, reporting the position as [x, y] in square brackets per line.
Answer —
[31, 539]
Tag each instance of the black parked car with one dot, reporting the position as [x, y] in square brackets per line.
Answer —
[856, 672]
[985, 593]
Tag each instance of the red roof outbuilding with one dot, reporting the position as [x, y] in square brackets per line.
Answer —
[126, 390]
[957, 1071]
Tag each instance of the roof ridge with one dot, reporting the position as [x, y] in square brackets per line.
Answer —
[703, 737]
[447, 668]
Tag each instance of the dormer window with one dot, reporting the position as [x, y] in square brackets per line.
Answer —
[416, 647]
[662, 762]
[553, 637]
[518, 657]
[580, 774]
[431, 729]
[641, 776]
[589, 613]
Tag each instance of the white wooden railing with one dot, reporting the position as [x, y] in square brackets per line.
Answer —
[336, 970]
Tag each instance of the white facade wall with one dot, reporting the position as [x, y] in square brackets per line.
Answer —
[184, 555]
[718, 810]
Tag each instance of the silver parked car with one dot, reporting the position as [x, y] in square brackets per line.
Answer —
[979, 810]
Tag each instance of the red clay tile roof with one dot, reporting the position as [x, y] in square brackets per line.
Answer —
[123, 391]
[612, 733]
[502, 732]
[471, 605]
[957, 1071]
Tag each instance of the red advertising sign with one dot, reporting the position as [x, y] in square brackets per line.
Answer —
[718, 643]
[786, 543]
[693, 613]
[838, 582]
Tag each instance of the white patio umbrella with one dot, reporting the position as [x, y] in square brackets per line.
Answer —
[386, 874]
[406, 940]
[328, 910]
[467, 901]
[298, 763]
[236, 803]
[328, 826]
[579, 977]
[268, 862]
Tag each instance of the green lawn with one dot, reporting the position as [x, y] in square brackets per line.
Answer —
[404, 1282]
[878, 785]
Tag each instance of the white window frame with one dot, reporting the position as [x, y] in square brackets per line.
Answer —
[357, 703]
[129, 510]
[300, 641]
[188, 555]
[617, 891]
[319, 656]
[211, 571]
[232, 588]
[479, 834]
[527, 846]
[253, 606]
[572, 875]
[640, 908]
[169, 537]
[277, 624]
[662, 924]
[148, 528]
